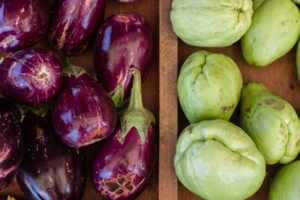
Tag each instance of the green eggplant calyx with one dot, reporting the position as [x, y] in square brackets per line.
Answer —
[117, 96]
[135, 115]
[40, 110]
[72, 69]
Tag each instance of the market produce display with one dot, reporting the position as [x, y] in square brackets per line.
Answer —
[217, 160]
[11, 149]
[51, 107]
[124, 41]
[203, 74]
[23, 23]
[74, 24]
[286, 184]
[82, 113]
[50, 169]
[211, 23]
[30, 76]
[124, 163]
[271, 122]
[274, 31]
[52, 111]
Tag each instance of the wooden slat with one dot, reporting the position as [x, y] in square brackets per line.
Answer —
[168, 108]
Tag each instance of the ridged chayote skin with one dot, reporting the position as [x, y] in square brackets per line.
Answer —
[286, 185]
[298, 60]
[209, 86]
[218, 161]
[271, 122]
[211, 23]
[274, 31]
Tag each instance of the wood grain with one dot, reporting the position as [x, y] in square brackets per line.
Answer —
[148, 9]
[168, 57]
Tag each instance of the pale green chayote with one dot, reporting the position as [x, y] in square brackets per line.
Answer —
[271, 122]
[209, 86]
[217, 160]
[274, 31]
[211, 23]
[286, 185]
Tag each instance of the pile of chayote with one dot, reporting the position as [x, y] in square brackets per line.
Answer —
[216, 159]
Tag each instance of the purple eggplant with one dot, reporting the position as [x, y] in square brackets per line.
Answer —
[125, 161]
[124, 41]
[50, 170]
[82, 113]
[75, 23]
[11, 149]
[30, 77]
[23, 23]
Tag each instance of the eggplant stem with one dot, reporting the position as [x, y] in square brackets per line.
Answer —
[136, 99]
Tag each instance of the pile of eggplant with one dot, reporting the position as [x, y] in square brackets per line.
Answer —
[50, 109]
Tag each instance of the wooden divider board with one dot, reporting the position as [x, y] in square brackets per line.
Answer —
[168, 109]
[280, 77]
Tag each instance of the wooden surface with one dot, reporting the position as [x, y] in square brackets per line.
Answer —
[167, 103]
[149, 9]
[280, 77]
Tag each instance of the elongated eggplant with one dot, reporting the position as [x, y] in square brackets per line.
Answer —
[125, 161]
[75, 23]
[123, 41]
[50, 170]
[83, 113]
[30, 77]
[11, 149]
[23, 23]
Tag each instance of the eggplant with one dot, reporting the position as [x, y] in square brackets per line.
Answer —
[125, 161]
[30, 76]
[23, 23]
[82, 113]
[74, 24]
[124, 41]
[11, 149]
[50, 170]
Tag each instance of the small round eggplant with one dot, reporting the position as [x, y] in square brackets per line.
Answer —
[123, 41]
[11, 149]
[50, 170]
[23, 23]
[30, 77]
[74, 24]
[125, 161]
[83, 113]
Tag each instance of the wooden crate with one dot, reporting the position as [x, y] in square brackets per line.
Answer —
[280, 77]
[148, 9]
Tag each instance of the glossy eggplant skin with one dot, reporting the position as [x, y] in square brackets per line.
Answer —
[123, 41]
[83, 113]
[50, 170]
[23, 23]
[123, 166]
[11, 149]
[75, 23]
[125, 161]
[30, 76]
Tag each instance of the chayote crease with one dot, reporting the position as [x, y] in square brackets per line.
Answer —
[271, 122]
